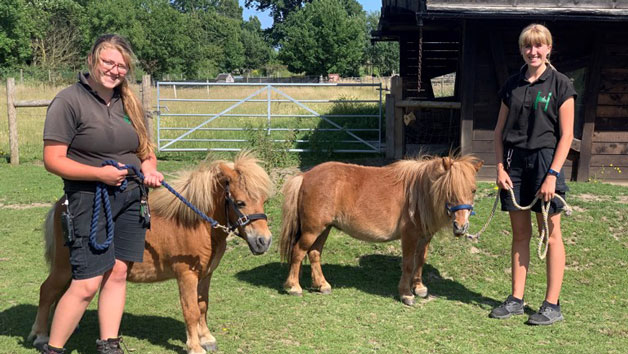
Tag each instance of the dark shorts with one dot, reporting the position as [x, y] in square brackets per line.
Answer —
[129, 232]
[527, 170]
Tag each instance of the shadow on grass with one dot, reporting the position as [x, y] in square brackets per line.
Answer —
[16, 321]
[376, 274]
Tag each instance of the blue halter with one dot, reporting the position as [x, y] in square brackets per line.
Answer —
[455, 208]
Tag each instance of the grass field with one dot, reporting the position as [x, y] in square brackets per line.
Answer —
[249, 313]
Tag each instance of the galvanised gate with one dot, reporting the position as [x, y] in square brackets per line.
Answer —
[203, 116]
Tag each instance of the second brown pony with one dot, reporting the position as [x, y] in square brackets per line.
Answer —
[409, 200]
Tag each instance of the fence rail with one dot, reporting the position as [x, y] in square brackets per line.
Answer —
[13, 104]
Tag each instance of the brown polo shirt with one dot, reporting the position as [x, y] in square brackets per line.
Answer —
[94, 131]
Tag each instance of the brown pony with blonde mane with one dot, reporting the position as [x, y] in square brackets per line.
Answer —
[180, 244]
[406, 200]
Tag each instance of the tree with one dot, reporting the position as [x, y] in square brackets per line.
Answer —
[58, 40]
[257, 52]
[383, 57]
[323, 38]
[16, 26]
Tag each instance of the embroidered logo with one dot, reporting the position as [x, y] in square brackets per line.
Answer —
[128, 120]
[541, 99]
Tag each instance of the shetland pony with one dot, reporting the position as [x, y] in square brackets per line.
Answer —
[409, 200]
[180, 244]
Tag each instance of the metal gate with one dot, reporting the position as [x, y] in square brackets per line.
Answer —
[204, 116]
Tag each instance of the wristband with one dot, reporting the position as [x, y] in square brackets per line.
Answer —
[553, 173]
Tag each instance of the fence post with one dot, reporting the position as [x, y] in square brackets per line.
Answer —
[146, 100]
[12, 114]
[396, 90]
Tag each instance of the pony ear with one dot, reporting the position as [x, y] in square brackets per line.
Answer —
[478, 164]
[447, 162]
[227, 173]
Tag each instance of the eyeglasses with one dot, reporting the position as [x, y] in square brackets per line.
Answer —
[109, 65]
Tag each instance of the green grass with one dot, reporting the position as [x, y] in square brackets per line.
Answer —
[250, 314]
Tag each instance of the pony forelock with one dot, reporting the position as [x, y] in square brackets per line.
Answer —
[428, 186]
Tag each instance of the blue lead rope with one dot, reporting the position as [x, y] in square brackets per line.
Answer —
[101, 197]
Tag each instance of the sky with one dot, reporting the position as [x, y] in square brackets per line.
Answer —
[267, 21]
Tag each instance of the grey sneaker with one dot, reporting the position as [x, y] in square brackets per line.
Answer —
[51, 350]
[109, 346]
[547, 315]
[508, 308]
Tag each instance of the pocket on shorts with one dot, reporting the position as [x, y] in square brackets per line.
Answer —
[77, 252]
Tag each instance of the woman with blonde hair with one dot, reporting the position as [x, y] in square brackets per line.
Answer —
[533, 135]
[99, 119]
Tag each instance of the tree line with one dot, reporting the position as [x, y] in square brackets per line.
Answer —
[197, 38]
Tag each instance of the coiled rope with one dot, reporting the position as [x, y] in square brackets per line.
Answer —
[101, 197]
[544, 236]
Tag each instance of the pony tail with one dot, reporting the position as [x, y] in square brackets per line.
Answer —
[133, 108]
[49, 235]
[290, 227]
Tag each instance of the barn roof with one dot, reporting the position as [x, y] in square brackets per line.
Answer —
[597, 10]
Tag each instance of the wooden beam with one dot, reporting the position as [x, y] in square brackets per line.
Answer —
[467, 87]
[427, 104]
[592, 90]
[146, 104]
[390, 126]
[396, 89]
[33, 103]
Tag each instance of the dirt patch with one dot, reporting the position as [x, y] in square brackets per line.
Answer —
[25, 206]
[623, 199]
[592, 197]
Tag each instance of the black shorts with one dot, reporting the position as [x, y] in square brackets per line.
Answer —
[129, 232]
[527, 171]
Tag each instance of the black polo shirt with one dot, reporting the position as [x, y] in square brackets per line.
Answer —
[94, 131]
[532, 121]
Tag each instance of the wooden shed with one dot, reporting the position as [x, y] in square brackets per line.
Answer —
[477, 41]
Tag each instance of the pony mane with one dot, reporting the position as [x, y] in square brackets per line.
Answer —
[428, 186]
[200, 185]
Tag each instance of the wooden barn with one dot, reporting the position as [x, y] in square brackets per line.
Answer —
[476, 40]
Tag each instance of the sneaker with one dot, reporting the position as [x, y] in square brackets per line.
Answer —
[109, 346]
[51, 350]
[510, 307]
[547, 315]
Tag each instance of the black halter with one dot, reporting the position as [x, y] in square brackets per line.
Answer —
[242, 219]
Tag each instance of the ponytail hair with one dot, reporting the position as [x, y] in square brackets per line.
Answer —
[132, 105]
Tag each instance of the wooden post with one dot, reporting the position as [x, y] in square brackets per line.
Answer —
[390, 126]
[12, 114]
[396, 90]
[592, 87]
[146, 103]
[21, 76]
[467, 88]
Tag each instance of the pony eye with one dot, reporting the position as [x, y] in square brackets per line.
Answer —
[240, 204]
[473, 191]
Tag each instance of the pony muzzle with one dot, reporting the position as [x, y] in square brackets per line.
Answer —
[258, 244]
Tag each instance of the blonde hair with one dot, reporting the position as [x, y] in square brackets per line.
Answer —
[535, 34]
[132, 106]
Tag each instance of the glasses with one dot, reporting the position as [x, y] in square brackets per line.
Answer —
[109, 65]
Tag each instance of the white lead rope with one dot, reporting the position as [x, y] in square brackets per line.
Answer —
[544, 236]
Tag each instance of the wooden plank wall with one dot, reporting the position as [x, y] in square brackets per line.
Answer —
[609, 151]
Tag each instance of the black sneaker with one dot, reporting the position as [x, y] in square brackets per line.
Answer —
[511, 306]
[46, 349]
[109, 346]
[547, 315]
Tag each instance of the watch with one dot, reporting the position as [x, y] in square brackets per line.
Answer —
[553, 173]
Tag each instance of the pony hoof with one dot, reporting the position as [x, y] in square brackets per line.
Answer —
[325, 289]
[294, 292]
[420, 291]
[408, 300]
[210, 346]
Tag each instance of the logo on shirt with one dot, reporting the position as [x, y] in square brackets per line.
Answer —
[128, 120]
[542, 99]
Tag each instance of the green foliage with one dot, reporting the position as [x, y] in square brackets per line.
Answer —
[257, 52]
[382, 57]
[273, 153]
[323, 38]
[16, 27]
